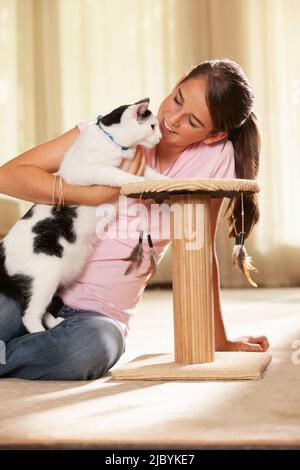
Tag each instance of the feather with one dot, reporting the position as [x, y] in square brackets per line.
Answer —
[153, 264]
[153, 260]
[243, 262]
[136, 256]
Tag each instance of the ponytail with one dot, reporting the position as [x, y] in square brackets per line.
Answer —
[246, 143]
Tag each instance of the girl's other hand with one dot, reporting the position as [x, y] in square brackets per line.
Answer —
[137, 165]
[247, 343]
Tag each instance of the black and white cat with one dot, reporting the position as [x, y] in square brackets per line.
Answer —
[47, 249]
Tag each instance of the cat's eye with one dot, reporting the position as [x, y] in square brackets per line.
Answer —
[153, 126]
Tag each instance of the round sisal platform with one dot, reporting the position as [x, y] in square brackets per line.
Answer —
[214, 188]
[226, 366]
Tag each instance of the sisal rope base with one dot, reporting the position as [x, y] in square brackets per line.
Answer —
[227, 366]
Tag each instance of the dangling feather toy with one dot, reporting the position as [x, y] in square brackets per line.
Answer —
[137, 256]
[153, 259]
[240, 257]
[242, 260]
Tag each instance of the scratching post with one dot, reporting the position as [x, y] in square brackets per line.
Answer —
[194, 356]
[192, 284]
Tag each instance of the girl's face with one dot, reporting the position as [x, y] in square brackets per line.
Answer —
[185, 111]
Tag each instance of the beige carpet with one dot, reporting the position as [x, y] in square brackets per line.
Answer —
[136, 414]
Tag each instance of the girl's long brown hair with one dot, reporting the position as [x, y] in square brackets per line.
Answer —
[229, 98]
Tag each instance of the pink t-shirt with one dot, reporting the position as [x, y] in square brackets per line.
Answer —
[103, 286]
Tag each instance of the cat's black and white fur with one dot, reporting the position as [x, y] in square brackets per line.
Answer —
[47, 249]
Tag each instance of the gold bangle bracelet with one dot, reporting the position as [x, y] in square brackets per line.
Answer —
[53, 191]
[61, 199]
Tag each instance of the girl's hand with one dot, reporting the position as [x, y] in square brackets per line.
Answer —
[137, 165]
[247, 343]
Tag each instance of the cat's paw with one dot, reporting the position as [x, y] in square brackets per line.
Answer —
[159, 176]
[50, 322]
[135, 179]
[32, 324]
[153, 175]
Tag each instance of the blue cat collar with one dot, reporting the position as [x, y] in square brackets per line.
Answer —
[98, 123]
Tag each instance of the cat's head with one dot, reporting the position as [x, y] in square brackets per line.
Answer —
[133, 124]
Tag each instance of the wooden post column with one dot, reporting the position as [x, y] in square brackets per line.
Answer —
[192, 279]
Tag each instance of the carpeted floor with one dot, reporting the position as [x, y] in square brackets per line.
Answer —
[162, 415]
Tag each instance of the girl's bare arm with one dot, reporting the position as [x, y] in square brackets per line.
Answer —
[220, 333]
[222, 343]
[29, 175]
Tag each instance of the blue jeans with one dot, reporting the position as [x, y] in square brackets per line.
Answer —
[82, 347]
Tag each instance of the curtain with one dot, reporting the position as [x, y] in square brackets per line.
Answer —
[63, 61]
[265, 40]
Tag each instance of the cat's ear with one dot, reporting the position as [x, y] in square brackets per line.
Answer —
[140, 107]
